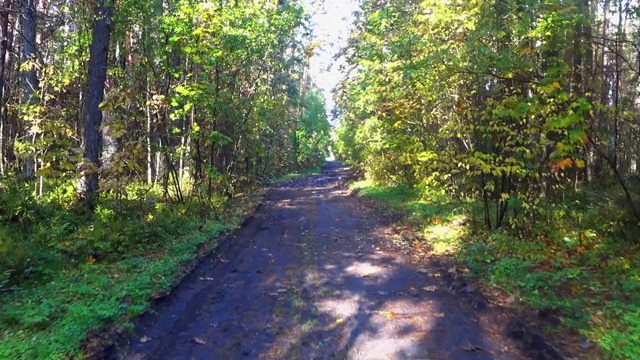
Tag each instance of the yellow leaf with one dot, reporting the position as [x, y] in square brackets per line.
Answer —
[562, 164]
[91, 260]
[340, 321]
[579, 163]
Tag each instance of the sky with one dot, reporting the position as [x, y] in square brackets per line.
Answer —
[331, 21]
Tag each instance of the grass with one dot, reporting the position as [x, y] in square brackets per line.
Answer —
[51, 320]
[434, 214]
[296, 175]
[577, 264]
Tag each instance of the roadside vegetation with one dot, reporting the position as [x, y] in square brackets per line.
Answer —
[508, 133]
[133, 134]
[570, 267]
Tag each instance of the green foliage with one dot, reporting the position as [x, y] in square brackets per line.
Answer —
[43, 234]
[473, 97]
[66, 272]
[203, 102]
[203, 98]
[502, 110]
[312, 139]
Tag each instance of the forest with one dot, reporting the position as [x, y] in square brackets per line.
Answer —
[131, 133]
[518, 119]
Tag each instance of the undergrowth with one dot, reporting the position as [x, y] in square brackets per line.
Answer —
[578, 261]
[66, 272]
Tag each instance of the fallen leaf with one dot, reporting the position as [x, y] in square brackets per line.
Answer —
[390, 315]
[144, 339]
[91, 260]
[340, 321]
[199, 341]
[423, 271]
[430, 288]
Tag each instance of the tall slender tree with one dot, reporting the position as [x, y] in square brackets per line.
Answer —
[30, 84]
[92, 114]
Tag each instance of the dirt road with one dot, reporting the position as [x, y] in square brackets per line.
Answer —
[316, 274]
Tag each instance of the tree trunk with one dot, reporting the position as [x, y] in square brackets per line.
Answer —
[4, 40]
[617, 87]
[92, 115]
[148, 135]
[588, 83]
[29, 79]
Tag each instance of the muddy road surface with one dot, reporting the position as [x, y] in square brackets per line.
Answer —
[318, 274]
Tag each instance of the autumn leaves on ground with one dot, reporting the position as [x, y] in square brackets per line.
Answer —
[502, 135]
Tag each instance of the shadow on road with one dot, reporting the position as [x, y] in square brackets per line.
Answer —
[355, 296]
[316, 274]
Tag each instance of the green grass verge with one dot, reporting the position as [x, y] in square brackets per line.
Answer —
[576, 264]
[52, 319]
[429, 211]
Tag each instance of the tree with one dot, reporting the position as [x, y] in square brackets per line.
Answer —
[5, 34]
[202, 97]
[30, 84]
[508, 102]
[92, 114]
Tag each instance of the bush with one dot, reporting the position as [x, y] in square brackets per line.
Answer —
[41, 235]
